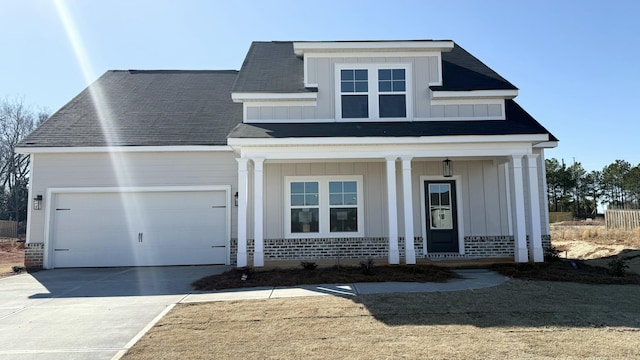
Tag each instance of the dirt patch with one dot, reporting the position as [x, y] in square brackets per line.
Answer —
[324, 275]
[11, 254]
[597, 245]
[519, 319]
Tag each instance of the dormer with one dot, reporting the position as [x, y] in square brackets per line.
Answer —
[368, 81]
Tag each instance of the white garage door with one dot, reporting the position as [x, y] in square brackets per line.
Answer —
[139, 229]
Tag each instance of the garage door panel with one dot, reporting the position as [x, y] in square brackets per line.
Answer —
[140, 229]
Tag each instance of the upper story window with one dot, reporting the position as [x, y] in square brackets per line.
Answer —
[392, 93]
[372, 92]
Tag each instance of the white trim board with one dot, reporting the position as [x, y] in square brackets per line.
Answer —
[123, 149]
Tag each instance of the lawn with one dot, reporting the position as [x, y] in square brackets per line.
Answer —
[519, 319]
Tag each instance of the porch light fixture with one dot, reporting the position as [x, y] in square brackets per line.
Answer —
[235, 198]
[37, 202]
[447, 170]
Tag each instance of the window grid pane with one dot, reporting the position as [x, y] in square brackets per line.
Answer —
[354, 81]
[391, 80]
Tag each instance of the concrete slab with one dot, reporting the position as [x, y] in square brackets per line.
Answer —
[87, 313]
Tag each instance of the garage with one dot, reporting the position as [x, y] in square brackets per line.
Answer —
[139, 228]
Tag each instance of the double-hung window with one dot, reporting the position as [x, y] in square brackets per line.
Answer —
[372, 92]
[324, 206]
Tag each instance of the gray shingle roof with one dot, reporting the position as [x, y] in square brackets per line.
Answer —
[271, 67]
[517, 121]
[149, 108]
[462, 71]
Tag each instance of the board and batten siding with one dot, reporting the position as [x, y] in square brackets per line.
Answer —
[320, 71]
[482, 186]
[374, 206]
[484, 197]
[133, 169]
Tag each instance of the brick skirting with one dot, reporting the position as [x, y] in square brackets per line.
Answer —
[34, 255]
[374, 248]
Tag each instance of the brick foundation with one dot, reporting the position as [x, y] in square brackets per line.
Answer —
[34, 255]
[476, 247]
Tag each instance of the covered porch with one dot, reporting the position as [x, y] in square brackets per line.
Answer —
[401, 199]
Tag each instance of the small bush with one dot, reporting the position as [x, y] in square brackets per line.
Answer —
[367, 267]
[618, 267]
[308, 265]
[552, 254]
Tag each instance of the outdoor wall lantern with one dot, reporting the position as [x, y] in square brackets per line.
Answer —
[447, 170]
[235, 198]
[37, 202]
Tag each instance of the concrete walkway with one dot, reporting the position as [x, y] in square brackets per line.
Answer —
[471, 279]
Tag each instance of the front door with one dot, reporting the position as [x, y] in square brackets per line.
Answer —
[442, 224]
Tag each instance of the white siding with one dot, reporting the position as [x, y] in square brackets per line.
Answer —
[483, 194]
[320, 71]
[373, 200]
[129, 170]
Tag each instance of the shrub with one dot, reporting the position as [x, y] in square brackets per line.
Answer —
[367, 267]
[308, 265]
[618, 267]
[552, 254]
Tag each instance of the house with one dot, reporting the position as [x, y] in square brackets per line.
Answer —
[394, 150]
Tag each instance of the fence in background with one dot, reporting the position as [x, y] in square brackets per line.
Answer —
[8, 228]
[622, 219]
[555, 217]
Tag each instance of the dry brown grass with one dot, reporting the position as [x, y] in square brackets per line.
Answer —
[597, 234]
[519, 319]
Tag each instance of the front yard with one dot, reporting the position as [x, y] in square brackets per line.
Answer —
[519, 319]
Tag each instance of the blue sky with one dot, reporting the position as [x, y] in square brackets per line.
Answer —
[576, 63]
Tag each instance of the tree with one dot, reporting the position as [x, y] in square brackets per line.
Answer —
[16, 121]
[632, 186]
[613, 183]
[593, 188]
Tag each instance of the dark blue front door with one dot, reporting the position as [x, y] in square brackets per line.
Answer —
[441, 212]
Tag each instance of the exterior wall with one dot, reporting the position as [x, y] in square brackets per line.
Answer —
[326, 248]
[373, 183]
[482, 186]
[321, 71]
[128, 170]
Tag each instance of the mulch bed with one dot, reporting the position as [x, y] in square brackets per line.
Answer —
[324, 275]
[565, 270]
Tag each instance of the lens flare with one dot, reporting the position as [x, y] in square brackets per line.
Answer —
[120, 166]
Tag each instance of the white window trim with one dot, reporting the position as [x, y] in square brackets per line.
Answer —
[373, 93]
[323, 205]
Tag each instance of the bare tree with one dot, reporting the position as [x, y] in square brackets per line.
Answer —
[16, 121]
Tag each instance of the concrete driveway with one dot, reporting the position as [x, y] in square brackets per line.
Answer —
[87, 313]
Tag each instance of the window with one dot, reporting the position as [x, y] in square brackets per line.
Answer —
[372, 92]
[304, 207]
[343, 206]
[392, 93]
[354, 85]
[324, 206]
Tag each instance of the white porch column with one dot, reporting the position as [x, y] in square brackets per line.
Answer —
[535, 237]
[392, 206]
[258, 194]
[518, 208]
[407, 192]
[243, 187]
